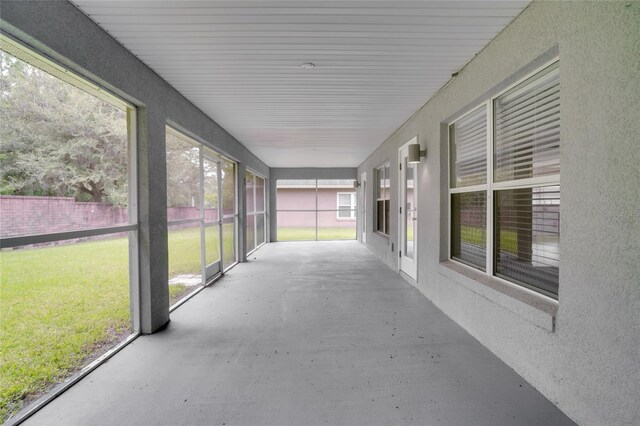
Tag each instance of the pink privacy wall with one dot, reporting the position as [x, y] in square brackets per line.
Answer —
[20, 215]
[305, 199]
[23, 215]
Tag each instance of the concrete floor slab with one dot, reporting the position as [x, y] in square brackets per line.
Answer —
[305, 334]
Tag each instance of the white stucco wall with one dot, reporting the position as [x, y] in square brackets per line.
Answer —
[584, 352]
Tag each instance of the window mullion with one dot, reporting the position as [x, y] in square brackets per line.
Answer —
[473, 188]
[490, 221]
[528, 183]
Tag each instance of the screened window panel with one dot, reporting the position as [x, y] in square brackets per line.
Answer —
[260, 229]
[183, 178]
[296, 194]
[259, 194]
[212, 244]
[210, 180]
[469, 228]
[468, 148]
[250, 229]
[228, 187]
[229, 232]
[296, 225]
[328, 230]
[527, 128]
[249, 191]
[184, 244]
[527, 228]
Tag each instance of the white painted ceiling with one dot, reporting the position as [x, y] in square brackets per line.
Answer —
[377, 62]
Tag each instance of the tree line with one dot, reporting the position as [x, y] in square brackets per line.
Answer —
[58, 140]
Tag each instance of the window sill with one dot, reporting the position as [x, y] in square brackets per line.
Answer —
[381, 235]
[537, 309]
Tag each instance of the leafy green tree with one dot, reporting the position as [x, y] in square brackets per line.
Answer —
[183, 173]
[58, 140]
[183, 178]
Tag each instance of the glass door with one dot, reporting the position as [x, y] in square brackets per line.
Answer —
[201, 202]
[211, 218]
[229, 210]
[408, 213]
[255, 202]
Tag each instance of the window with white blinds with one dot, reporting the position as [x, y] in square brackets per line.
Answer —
[527, 128]
[527, 228]
[468, 153]
[505, 219]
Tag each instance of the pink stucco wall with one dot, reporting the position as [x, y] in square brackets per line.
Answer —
[305, 199]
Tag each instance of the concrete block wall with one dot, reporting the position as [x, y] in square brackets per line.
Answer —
[20, 215]
[30, 215]
[583, 351]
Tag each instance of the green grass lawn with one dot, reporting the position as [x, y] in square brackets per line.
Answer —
[309, 233]
[58, 305]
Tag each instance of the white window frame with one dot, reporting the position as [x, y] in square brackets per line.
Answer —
[352, 206]
[489, 187]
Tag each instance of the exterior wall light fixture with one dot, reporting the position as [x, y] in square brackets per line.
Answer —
[415, 153]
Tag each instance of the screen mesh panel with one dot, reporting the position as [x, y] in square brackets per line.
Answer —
[527, 228]
[527, 128]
